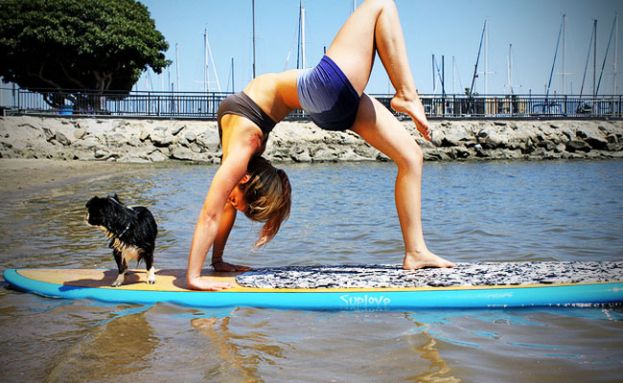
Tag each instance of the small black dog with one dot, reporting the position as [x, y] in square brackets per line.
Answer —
[132, 232]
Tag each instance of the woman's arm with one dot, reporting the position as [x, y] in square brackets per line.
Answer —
[227, 222]
[231, 171]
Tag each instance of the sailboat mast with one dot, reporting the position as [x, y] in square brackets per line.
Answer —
[214, 71]
[177, 67]
[616, 54]
[453, 70]
[509, 76]
[232, 76]
[588, 57]
[564, 28]
[551, 73]
[486, 60]
[443, 75]
[603, 65]
[595, 58]
[205, 61]
[253, 22]
[434, 79]
[471, 88]
[303, 43]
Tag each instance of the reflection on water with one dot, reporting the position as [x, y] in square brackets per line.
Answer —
[342, 213]
[439, 368]
[240, 354]
[116, 349]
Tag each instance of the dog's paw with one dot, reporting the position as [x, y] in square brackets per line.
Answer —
[119, 281]
[151, 279]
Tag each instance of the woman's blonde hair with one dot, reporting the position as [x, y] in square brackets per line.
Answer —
[268, 195]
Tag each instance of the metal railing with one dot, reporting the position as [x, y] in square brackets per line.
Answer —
[202, 105]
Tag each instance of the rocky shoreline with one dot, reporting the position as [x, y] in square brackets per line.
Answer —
[138, 140]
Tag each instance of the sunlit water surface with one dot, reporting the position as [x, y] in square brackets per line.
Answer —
[342, 213]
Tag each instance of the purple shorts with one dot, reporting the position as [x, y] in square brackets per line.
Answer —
[326, 94]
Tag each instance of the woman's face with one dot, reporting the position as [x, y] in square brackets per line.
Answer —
[237, 200]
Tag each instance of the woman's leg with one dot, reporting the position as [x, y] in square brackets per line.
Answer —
[375, 27]
[381, 129]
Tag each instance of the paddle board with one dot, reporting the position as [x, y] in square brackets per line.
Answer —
[348, 287]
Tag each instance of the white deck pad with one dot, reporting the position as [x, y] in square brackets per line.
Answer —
[464, 274]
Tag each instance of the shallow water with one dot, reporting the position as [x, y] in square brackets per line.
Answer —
[342, 213]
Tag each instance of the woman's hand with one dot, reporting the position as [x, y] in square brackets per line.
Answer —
[228, 267]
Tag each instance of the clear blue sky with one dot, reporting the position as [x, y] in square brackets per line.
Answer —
[450, 28]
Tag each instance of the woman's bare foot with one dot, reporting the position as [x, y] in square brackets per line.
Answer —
[413, 107]
[228, 267]
[205, 284]
[420, 260]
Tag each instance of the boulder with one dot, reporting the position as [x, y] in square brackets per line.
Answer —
[182, 153]
[457, 135]
[577, 146]
[593, 136]
[79, 133]
[209, 140]
[160, 137]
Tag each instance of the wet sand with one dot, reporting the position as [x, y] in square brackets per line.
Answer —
[27, 175]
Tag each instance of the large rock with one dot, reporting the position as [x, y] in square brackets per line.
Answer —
[161, 137]
[453, 135]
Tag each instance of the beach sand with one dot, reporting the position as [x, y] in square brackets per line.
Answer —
[26, 175]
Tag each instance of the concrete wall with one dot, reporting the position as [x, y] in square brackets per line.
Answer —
[132, 140]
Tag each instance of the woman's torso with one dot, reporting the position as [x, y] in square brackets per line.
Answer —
[275, 94]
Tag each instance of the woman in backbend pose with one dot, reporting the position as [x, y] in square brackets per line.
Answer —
[332, 95]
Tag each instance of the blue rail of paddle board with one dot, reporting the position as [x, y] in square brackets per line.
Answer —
[556, 295]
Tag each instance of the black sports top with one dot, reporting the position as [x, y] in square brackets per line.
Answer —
[242, 105]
